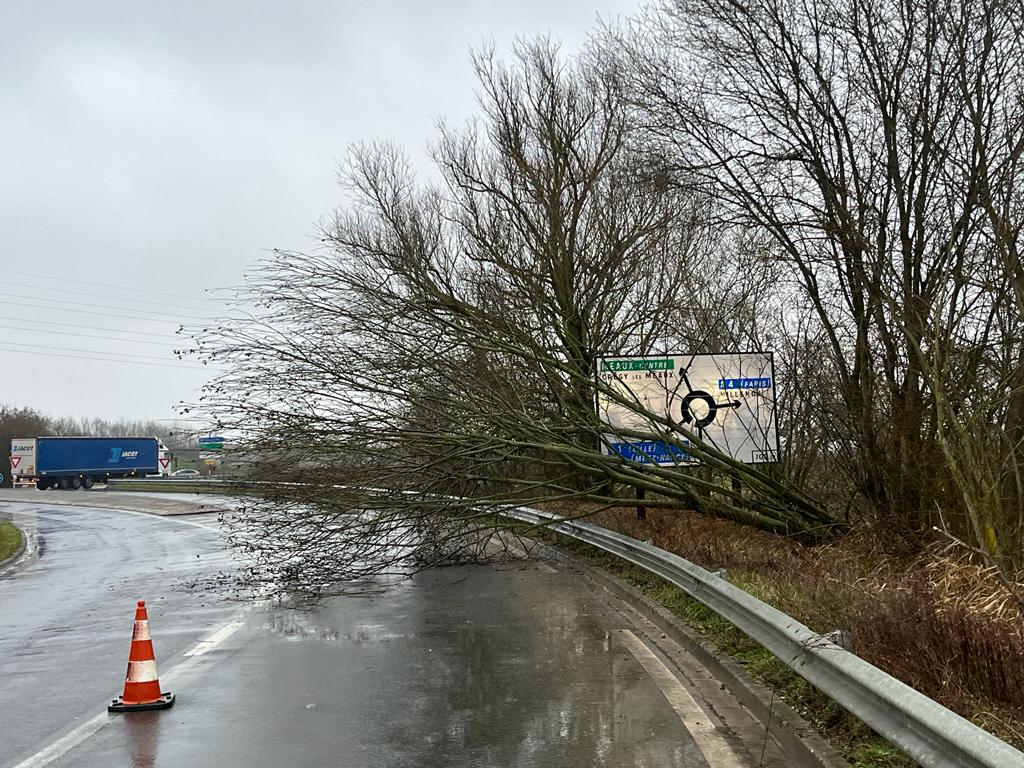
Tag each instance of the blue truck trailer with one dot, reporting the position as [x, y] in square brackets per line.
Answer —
[80, 462]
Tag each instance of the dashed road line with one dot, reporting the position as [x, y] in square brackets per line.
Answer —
[218, 637]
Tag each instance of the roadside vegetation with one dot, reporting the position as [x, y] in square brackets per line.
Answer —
[934, 619]
[10, 540]
[837, 182]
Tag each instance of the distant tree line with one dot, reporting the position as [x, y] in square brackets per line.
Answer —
[839, 182]
[28, 422]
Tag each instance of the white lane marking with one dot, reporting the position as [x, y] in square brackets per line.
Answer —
[65, 744]
[150, 515]
[71, 740]
[168, 518]
[709, 740]
[218, 637]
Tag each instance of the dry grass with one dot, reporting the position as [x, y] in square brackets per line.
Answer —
[937, 621]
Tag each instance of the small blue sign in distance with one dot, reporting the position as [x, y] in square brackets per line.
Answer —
[759, 383]
[651, 452]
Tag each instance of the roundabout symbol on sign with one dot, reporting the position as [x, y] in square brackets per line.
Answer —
[691, 414]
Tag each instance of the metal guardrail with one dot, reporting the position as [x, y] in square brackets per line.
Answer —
[924, 729]
[928, 732]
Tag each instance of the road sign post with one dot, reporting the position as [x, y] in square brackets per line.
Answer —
[641, 508]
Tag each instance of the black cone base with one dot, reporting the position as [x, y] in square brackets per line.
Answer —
[166, 701]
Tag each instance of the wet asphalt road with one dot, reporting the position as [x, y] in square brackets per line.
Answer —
[65, 619]
[515, 665]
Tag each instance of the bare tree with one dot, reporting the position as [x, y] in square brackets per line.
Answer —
[436, 357]
[877, 143]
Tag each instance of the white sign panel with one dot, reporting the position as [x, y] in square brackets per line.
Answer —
[23, 456]
[726, 400]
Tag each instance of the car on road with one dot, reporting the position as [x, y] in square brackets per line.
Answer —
[185, 474]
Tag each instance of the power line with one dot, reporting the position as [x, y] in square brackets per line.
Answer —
[130, 303]
[62, 291]
[106, 359]
[128, 355]
[109, 285]
[61, 302]
[88, 312]
[88, 327]
[92, 336]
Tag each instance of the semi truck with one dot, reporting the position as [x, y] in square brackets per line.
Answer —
[80, 462]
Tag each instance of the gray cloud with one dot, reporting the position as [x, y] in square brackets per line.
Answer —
[161, 147]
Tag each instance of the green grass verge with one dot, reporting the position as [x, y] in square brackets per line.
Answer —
[854, 740]
[10, 540]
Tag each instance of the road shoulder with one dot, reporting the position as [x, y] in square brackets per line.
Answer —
[747, 704]
[164, 505]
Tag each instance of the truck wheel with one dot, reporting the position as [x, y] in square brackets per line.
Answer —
[64, 483]
[42, 484]
[76, 483]
[87, 482]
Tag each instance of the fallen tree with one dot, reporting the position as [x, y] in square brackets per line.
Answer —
[442, 341]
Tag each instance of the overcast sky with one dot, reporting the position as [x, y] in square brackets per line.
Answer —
[152, 150]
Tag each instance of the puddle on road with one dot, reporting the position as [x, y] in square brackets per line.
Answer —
[473, 666]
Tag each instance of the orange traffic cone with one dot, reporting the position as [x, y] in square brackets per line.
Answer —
[141, 685]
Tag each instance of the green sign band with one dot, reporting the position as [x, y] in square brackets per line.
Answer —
[659, 364]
